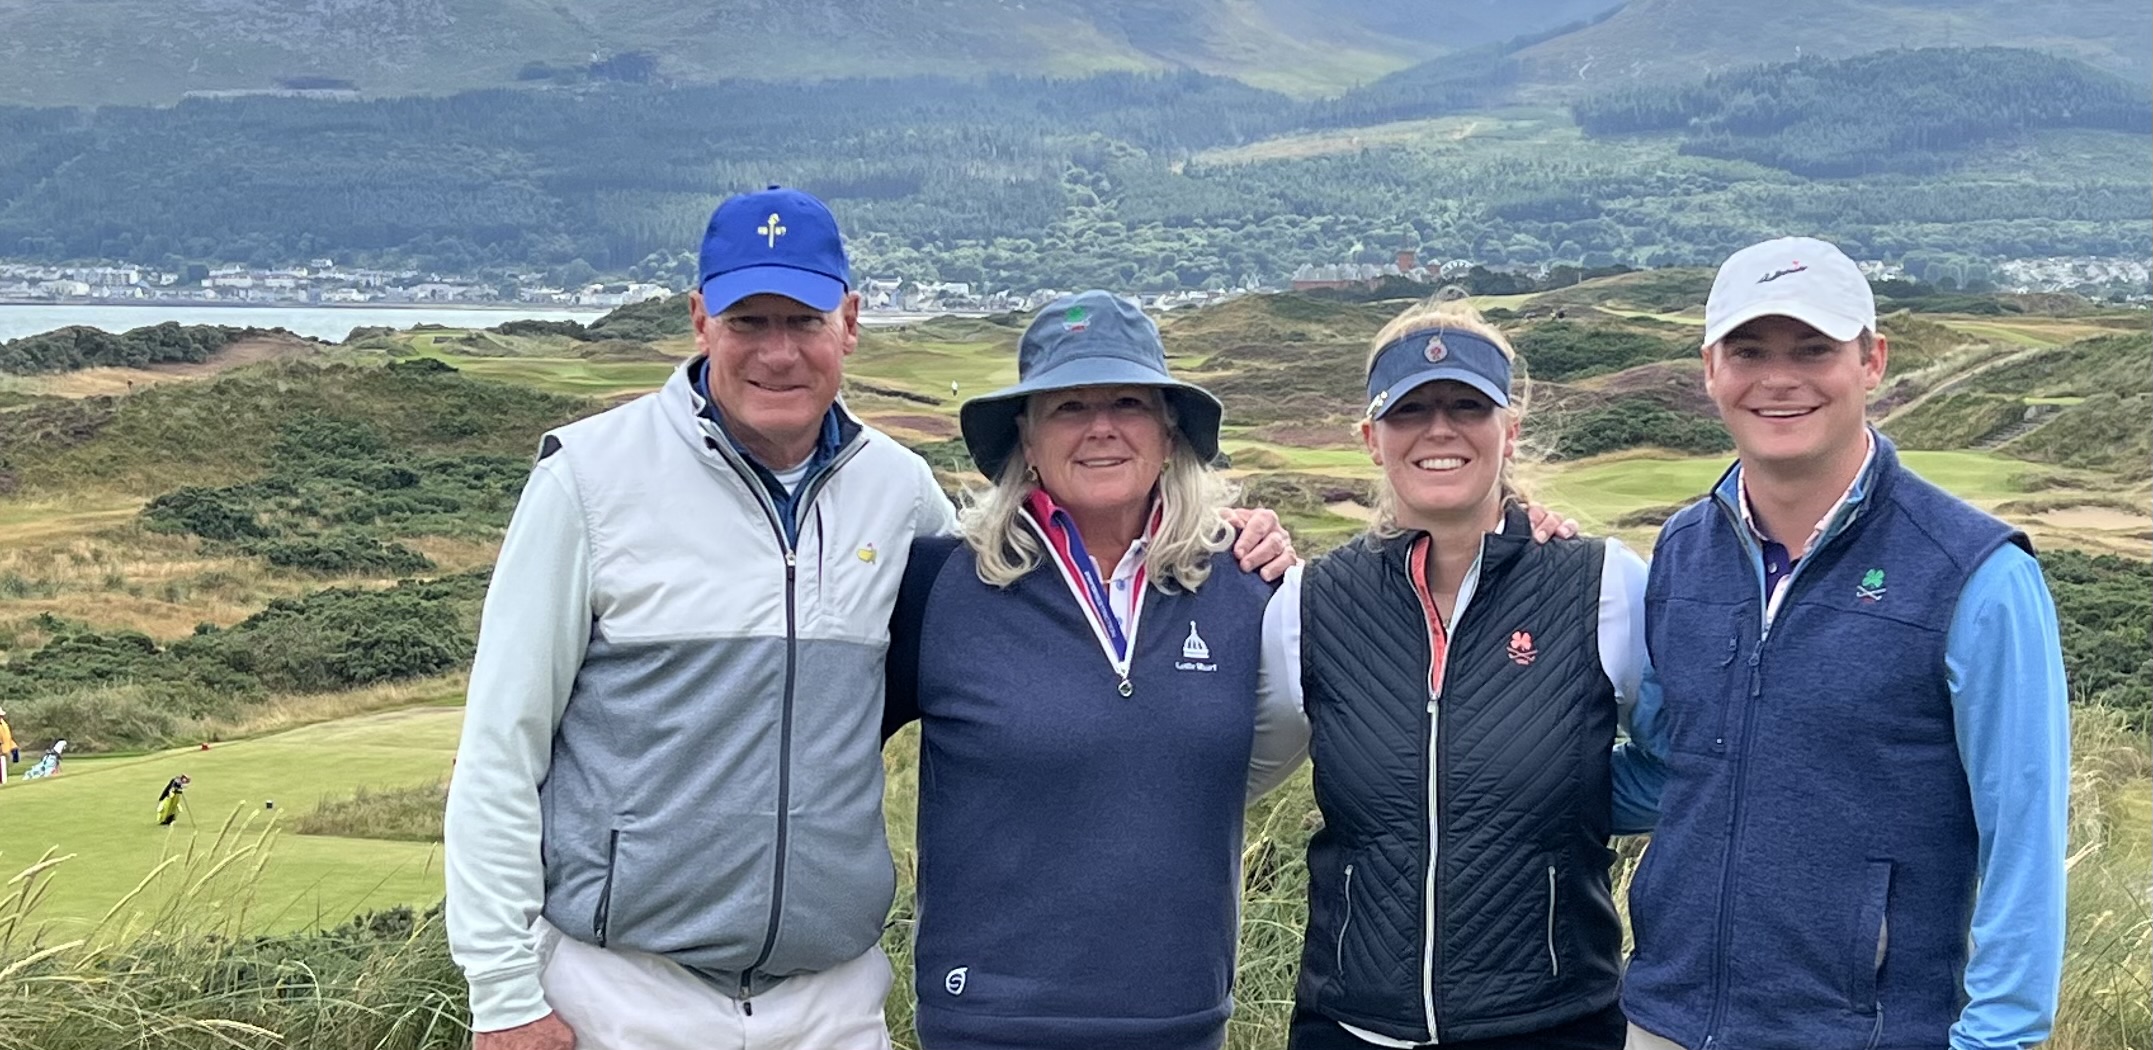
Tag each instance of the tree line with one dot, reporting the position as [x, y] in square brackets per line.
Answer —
[1886, 111]
[1126, 180]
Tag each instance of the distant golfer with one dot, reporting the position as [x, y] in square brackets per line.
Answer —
[168, 802]
[9, 753]
[49, 763]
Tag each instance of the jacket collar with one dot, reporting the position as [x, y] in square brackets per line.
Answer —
[1498, 548]
[1872, 484]
[696, 419]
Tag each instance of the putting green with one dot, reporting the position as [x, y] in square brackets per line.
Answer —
[100, 810]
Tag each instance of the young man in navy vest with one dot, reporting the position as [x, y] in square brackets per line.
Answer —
[1858, 710]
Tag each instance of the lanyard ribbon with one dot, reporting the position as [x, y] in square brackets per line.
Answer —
[1101, 601]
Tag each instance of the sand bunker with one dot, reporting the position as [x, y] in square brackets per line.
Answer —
[2095, 519]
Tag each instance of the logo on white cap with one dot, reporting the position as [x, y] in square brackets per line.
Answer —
[1830, 294]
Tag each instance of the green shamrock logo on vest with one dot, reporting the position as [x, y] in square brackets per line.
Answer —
[1871, 588]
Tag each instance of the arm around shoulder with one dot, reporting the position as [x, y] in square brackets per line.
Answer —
[533, 630]
[1281, 722]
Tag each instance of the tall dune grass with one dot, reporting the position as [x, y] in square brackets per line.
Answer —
[173, 965]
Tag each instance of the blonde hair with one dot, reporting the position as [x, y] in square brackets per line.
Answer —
[1456, 315]
[1178, 556]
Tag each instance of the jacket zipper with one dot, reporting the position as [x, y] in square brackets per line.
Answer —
[1741, 759]
[604, 914]
[1438, 670]
[792, 645]
[1554, 961]
[1346, 925]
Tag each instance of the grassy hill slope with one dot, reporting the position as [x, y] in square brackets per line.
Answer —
[140, 51]
[1678, 39]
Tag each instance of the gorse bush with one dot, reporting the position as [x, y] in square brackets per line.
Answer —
[1566, 350]
[343, 551]
[338, 495]
[1632, 422]
[105, 689]
[78, 346]
[2104, 606]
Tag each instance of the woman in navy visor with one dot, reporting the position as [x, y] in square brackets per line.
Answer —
[1462, 685]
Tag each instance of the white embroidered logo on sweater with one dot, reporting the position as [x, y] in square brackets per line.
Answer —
[1195, 653]
[1193, 647]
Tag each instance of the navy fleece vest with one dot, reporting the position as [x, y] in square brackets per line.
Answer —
[1525, 933]
[1812, 878]
[1079, 850]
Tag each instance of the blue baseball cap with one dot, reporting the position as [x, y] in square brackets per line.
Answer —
[1418, 358]
[1093, 338]
[777, 241]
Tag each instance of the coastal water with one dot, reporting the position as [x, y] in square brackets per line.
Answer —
[322, 322]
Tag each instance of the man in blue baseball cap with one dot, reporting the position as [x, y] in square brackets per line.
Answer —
[665, 827]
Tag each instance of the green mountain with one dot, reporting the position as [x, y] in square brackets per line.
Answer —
[1659, 40]
[152, 51]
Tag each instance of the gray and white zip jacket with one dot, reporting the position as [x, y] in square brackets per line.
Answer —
[672, 740]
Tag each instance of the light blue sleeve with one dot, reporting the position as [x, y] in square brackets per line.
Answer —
[1640, 764]
[2004, 663]
[1638, 775]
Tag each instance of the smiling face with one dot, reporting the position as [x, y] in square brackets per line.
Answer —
[1098, 449]
[1442, 447]
[1794, 399]
[775, 366]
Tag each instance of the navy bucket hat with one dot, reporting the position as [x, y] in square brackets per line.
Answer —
[1088, 339]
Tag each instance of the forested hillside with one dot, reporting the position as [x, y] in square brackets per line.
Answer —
[1675, 40]
[150, 51]
[1131, 181]
[1885, 111]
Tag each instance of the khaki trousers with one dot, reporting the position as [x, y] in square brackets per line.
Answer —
[627, 1000]
[1639, 1039]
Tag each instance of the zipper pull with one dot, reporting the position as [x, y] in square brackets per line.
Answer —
[791, 560]
[1125, 688]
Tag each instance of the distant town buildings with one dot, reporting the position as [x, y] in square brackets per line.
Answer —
[1405, 265]
[322, 281]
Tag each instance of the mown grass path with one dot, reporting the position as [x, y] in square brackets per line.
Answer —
[101, 811]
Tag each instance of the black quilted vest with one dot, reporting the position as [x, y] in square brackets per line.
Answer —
[1521, 932]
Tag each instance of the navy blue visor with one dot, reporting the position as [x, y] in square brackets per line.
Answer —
[1418, 358]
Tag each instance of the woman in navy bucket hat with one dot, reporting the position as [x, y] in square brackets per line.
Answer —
[1085, 667]
[1462, 685]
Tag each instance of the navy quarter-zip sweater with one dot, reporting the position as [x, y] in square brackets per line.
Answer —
[1079, 850]
[1812, 878]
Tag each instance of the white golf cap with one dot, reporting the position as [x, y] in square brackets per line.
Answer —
[1803, 278]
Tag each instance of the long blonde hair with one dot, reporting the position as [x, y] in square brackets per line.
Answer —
[1459, 316]
[1178, 556]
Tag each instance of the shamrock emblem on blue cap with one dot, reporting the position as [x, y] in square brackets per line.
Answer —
[1076, 319]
